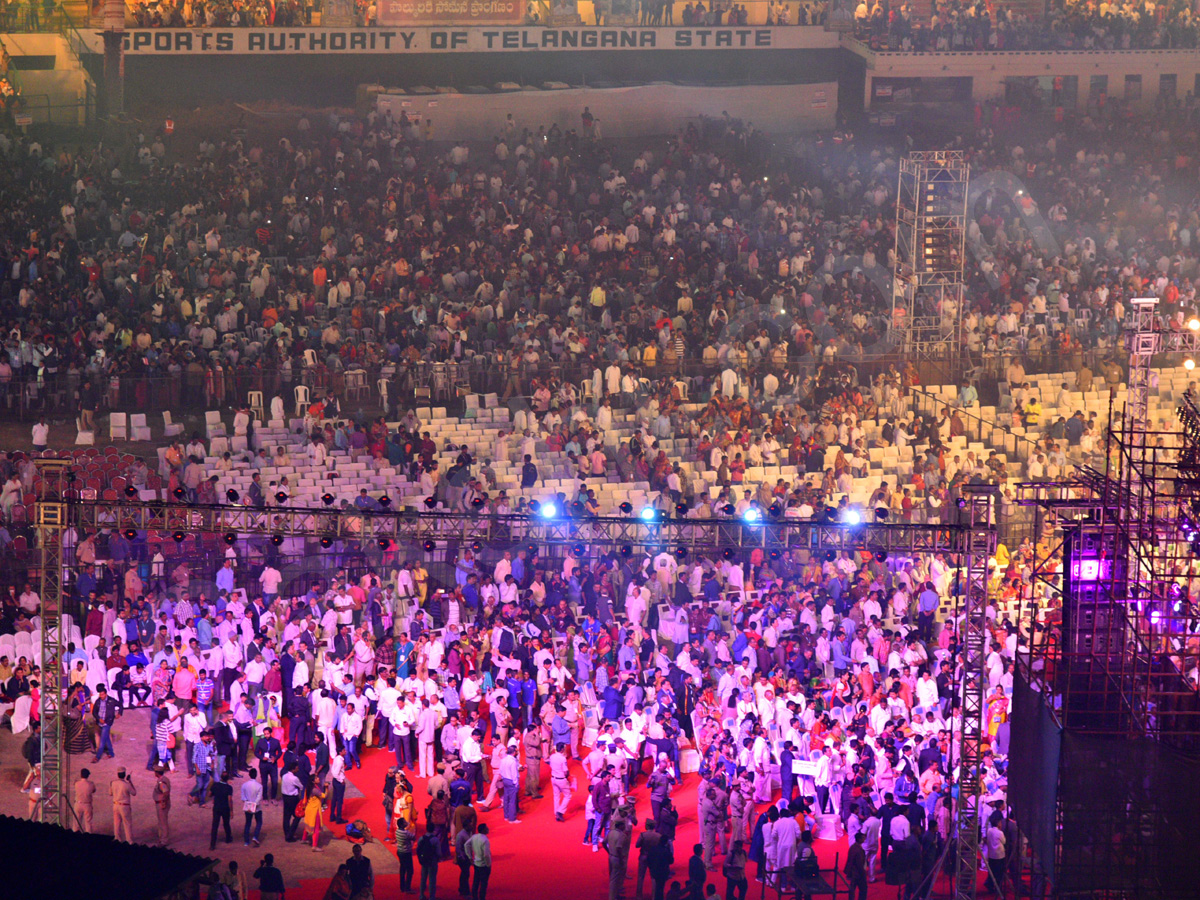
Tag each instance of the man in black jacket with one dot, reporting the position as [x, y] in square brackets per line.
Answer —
[222, 793]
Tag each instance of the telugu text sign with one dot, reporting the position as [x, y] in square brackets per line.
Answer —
[449, 12]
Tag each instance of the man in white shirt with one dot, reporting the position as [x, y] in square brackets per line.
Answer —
[472, 757]
[231, 658]
[350, 727]
[509, 772]
[337, 777]
[426, 732]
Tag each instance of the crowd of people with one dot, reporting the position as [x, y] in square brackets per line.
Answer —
[959, 25]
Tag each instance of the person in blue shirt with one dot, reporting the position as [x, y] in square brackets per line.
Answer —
[627, 658]
[528, 696]
[471, 591]
[560, 729]
[204, 633]
[611, 701]
[518, 568]
[591, 629]
[837, 652]
[135, 657]
[927, 604]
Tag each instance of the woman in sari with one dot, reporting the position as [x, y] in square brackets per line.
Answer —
[312, 820]
[77, 737]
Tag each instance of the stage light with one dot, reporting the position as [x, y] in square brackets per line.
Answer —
[1189, 364]
[430, 502]
[681, 510]
[831, 513]
[881, 555]
[729, 509]
[430, 545]
[383, 543]
[130, 491]
[476, 546]
[547, 510]
[681, 552]
[1193, 324]
[578, 549]
[577, 508]
[626, 551]
[230, 538]
[477, 503]
[626, 508]
[648, 514]
[962, 502]
[531, 550]
[385, 501]
[232, 496]
[774, 553]
[328, 498]
[277, 540]
[752, 515]
[326, 542]
[180, 494]
[727, 553]
[281, 497]
[775, 509]
[881, 513]
[131, 534]
[830, 555]
[179, 537]
[852, 517]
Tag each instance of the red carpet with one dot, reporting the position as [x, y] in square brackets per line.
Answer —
[541, 858]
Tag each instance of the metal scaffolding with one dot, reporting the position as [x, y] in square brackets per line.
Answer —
[931, 226]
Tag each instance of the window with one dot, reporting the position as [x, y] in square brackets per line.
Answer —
[1167, 87]
[1098, 87]
[1133, 88]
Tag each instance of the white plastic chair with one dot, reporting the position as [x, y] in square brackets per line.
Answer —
[20, 714]
[302, 398]
[118, 426]
[138, 427]
[170, 429]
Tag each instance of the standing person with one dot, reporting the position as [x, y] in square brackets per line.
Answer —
[509, 773]
[533, 760]
[428, 856]
[312, 819]
[123, 792]
[362, 876]
[85, 790]
[647, 845]
[856, 867]
[480, 848]
[462, 859]
[995, 850]
[222, 793]
[162, 804]
[252, 800]
[405, 840]
[290, 788]
[105, 711]
[202, 756]
[617, 844]
[560, 781]
[697, 873]
[270, 879]
[337, 780]
[268, 751]
[734, 870]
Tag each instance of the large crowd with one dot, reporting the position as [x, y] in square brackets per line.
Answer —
[959, 25]
[817, 694]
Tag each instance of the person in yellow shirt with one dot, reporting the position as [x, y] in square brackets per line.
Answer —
[1033, 412]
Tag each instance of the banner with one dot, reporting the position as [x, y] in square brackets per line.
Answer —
[279, 41]
[449, 12]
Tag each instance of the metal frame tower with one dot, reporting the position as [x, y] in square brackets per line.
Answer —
[931, 229]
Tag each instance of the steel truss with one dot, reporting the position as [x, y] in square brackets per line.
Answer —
[931, 228]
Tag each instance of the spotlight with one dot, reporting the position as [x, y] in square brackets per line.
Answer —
[130, 491]
[775, 510]
[531, 550]
[881, 555]
[230, 538]
[430, 502]
[131, 534]
[752, 515]
[385, 501]
[1193, 324]
[831, 513]
[626, 551]
[830, 555]
[477, 546]
[429, 545]
[774, 553]
[281, 497]
[881, 513]
[648, 514]
[326, 542]
[577, 508]
[729, 509]
[852, 517]
[681, 552]
[477, 503]
[728, 553]
[626, 508]
[328, 498]
[681, 510]
[277, 540]
[1189, 364]
[180, 494]
[578, 549]
[962, 502]
[547, 510]
[383, 543]
[179, 537]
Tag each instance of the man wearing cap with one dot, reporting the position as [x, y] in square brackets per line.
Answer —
[123, 792]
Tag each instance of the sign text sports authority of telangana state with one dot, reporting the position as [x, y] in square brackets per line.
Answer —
[481, 39]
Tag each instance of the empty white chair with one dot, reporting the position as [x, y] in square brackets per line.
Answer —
[213, 424]
[82, 435]
[302, 397]
[254, 399]
[170, 429]
[20, 713]
[138, 428]
[118, 426]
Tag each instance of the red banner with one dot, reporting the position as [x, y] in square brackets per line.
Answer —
[450, 12]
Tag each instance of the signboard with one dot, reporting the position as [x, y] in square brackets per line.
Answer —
[482, 39]
[449, 12]
[819, 100]
[22, 120]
